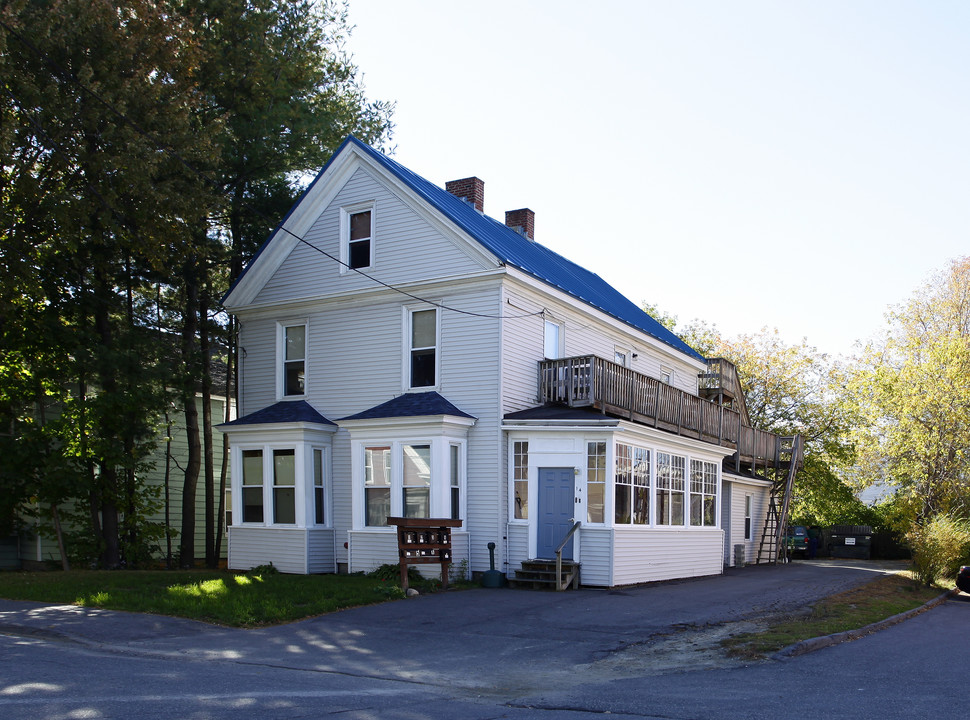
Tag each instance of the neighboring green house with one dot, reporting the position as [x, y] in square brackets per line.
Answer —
[33, 548]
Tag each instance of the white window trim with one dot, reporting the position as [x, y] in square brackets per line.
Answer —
[668, 373]
[440, 490]
[345, 213]
[528, 479]
[299, 471]
[408, 312]
[748, 519]
[627, 354]
[327, 492]
[281, 326]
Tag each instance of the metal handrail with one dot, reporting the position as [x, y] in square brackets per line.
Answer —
[572, 531]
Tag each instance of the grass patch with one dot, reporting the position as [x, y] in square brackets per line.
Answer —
[849, 610]
[259, 597]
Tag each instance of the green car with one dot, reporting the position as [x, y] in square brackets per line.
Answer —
[798, 540]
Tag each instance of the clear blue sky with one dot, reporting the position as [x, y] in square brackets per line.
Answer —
[792, 165]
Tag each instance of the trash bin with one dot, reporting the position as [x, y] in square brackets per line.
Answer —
[850, 541]
[739, 555]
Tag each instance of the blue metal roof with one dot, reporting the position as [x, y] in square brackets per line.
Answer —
[513, 249]
[285, 411]
[411, 405]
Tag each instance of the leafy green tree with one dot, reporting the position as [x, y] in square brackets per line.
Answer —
[275, 73]
[795, 389]
[93, 211]
[911, 387]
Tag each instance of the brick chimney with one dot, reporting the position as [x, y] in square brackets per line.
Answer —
[522, 221]
[471, 190]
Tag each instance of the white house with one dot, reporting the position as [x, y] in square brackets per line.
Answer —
[404, 354]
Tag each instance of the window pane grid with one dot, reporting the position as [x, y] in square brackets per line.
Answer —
[520, 473]
[595, 482]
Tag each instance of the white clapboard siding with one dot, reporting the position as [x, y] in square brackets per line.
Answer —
[257, 363]
[518, 540]
[320, 556]
[285, 548]
[596, 551]
[648, 555]
[760, 496]
[406, 248]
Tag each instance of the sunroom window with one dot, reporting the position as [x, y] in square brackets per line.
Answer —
[284, 487]
[595, 482]
[670, 489]
[703, 493]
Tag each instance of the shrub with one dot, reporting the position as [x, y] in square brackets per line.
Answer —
[939, 546]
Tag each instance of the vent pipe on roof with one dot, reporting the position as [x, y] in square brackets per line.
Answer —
[523, 221]
[470, 189]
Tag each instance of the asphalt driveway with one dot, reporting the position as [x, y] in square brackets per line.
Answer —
[489, 640]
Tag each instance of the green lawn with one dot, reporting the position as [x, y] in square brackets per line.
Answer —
[235, 599]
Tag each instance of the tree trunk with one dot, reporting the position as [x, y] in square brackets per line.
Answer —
[190, 327]
[211, 560]
[60, 537]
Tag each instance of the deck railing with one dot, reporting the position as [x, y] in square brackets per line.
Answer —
[590, 381]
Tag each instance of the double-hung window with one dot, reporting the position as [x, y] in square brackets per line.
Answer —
[670, 489]
[417, 481]
[454, 462]
[357, 237]
[423, 348]
[293, 371]
[747, 517]
[319, 488]
[703, 493]
[252, 486]
[377, 485]
[284, 487]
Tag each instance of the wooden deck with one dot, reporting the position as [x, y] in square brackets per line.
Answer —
[590, 381]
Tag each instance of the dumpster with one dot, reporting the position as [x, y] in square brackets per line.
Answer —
[850, 541]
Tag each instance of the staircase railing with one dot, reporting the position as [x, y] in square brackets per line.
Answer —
[574, 575]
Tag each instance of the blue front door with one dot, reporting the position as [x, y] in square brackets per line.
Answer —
[556, 501]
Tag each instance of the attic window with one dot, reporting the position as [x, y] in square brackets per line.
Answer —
[357, 237]
[359, 243]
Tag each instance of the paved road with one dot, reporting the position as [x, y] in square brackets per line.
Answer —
[638, 652]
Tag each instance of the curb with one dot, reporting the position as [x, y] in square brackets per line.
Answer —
[817, 643]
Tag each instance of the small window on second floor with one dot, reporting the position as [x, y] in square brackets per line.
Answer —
[666, 375]
[423, 338]
[294, 360]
